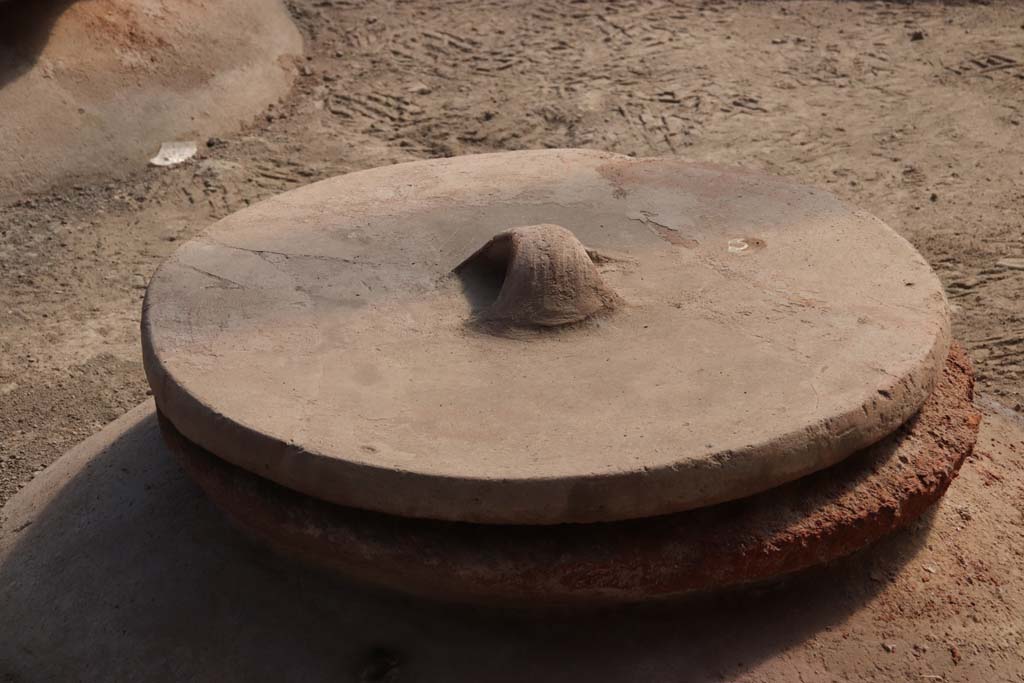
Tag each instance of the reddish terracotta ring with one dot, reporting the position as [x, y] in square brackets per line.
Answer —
[814, 520]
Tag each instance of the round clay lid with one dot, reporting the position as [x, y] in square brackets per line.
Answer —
[543, 337]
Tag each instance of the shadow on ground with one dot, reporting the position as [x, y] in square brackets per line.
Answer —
[25, 27]
[114, 567]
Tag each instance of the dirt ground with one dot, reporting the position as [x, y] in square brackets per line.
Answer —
[913, 111]
[926, 133]
[85, 84]
[192, 600]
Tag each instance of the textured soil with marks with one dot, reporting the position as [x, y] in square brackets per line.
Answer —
[923, 132]
[912, 111]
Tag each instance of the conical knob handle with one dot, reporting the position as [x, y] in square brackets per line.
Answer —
[547, 278]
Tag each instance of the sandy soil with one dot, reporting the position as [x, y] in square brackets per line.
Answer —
[192, 600]
[924, 133]
[91, 88]
[912, 111]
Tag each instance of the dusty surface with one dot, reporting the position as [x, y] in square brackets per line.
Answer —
[114, 566]
[838, 94]
[90, 89]
[806, 523]
[320, 339]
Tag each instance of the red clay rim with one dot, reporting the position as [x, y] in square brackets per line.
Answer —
[806, 523]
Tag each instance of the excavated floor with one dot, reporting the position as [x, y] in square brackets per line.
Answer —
[92, 89]
[809, 522]
[115, 566]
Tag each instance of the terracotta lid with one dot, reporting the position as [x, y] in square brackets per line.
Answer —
[543, 337]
